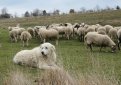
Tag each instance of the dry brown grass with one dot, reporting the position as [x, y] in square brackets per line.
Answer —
[18, 78]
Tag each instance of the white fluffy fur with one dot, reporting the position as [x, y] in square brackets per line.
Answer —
[25, 37]
[99, 39]
[43, 57]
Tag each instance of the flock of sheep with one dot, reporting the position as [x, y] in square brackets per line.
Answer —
[103, 36]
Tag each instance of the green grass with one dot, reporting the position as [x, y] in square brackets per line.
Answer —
[112, 17]
[72, 54]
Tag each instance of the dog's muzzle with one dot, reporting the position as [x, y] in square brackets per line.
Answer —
[44, 56]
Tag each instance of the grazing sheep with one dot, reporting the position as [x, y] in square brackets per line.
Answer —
[31, 31]
[43, 57]
[113, 35]
[117, 28]
[119, 38]
[11, 28]
[99, 40]
[68, 30]
[81, 33]
[25, 37]
[13, 35]
[36, 29]
[108, 27]
[90, 29]
[101, 30]
[75, 29]
[48, 34]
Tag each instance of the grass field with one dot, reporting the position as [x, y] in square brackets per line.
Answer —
[72, 54]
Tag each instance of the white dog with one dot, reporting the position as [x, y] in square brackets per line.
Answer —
[43, 57]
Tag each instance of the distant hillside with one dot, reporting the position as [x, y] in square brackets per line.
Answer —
[107, 17]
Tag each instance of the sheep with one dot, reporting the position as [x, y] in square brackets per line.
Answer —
[31, 31]
[45, 34]
[68, 30]
[25, 37]
[60, 29]
[108, 27]
[119, 38]
[101, 30]
[99, 40]
[75, 29]
[117, 28]
[113, 34]
[13, 35]
[36, 29]
[81, 33]
[11, 28]
[42, 57]
[90, 29]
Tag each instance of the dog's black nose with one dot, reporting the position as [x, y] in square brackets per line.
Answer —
[42, 53]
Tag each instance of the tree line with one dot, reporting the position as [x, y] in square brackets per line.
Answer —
[37, 12]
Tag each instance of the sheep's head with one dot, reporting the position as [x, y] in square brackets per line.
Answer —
[113, 48]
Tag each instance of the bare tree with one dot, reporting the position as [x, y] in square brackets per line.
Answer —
[4, 13]
[36, 12]
[97, 8]
[56, 12]
[83, 10]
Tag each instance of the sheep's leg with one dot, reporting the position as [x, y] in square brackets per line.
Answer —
[119, 45]
[83, 38]
[15, 39]
[27, 43]
[101, 48]
[23, 43]
[68, 37]
[90, 46]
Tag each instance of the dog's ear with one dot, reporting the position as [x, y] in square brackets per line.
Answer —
[40, 45]
[53, 47]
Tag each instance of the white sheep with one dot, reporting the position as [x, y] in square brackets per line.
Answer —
[101, 30]
[119, 38]
[13, 35]
[60, 29]
[99, 40]
[36, 29]
[11, 28]
[43, 57]
[31, 31]
[46, 34]
[113, 34]
[68, 30]
[90, 29]
[81, 33]
[75, 29]
[108, 27]
[25, 37]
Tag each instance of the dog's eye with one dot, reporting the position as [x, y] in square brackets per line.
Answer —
[46, 48]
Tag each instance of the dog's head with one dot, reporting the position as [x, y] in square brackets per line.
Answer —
[47, 49]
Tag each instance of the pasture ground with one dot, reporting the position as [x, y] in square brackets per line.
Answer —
[71, 54]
